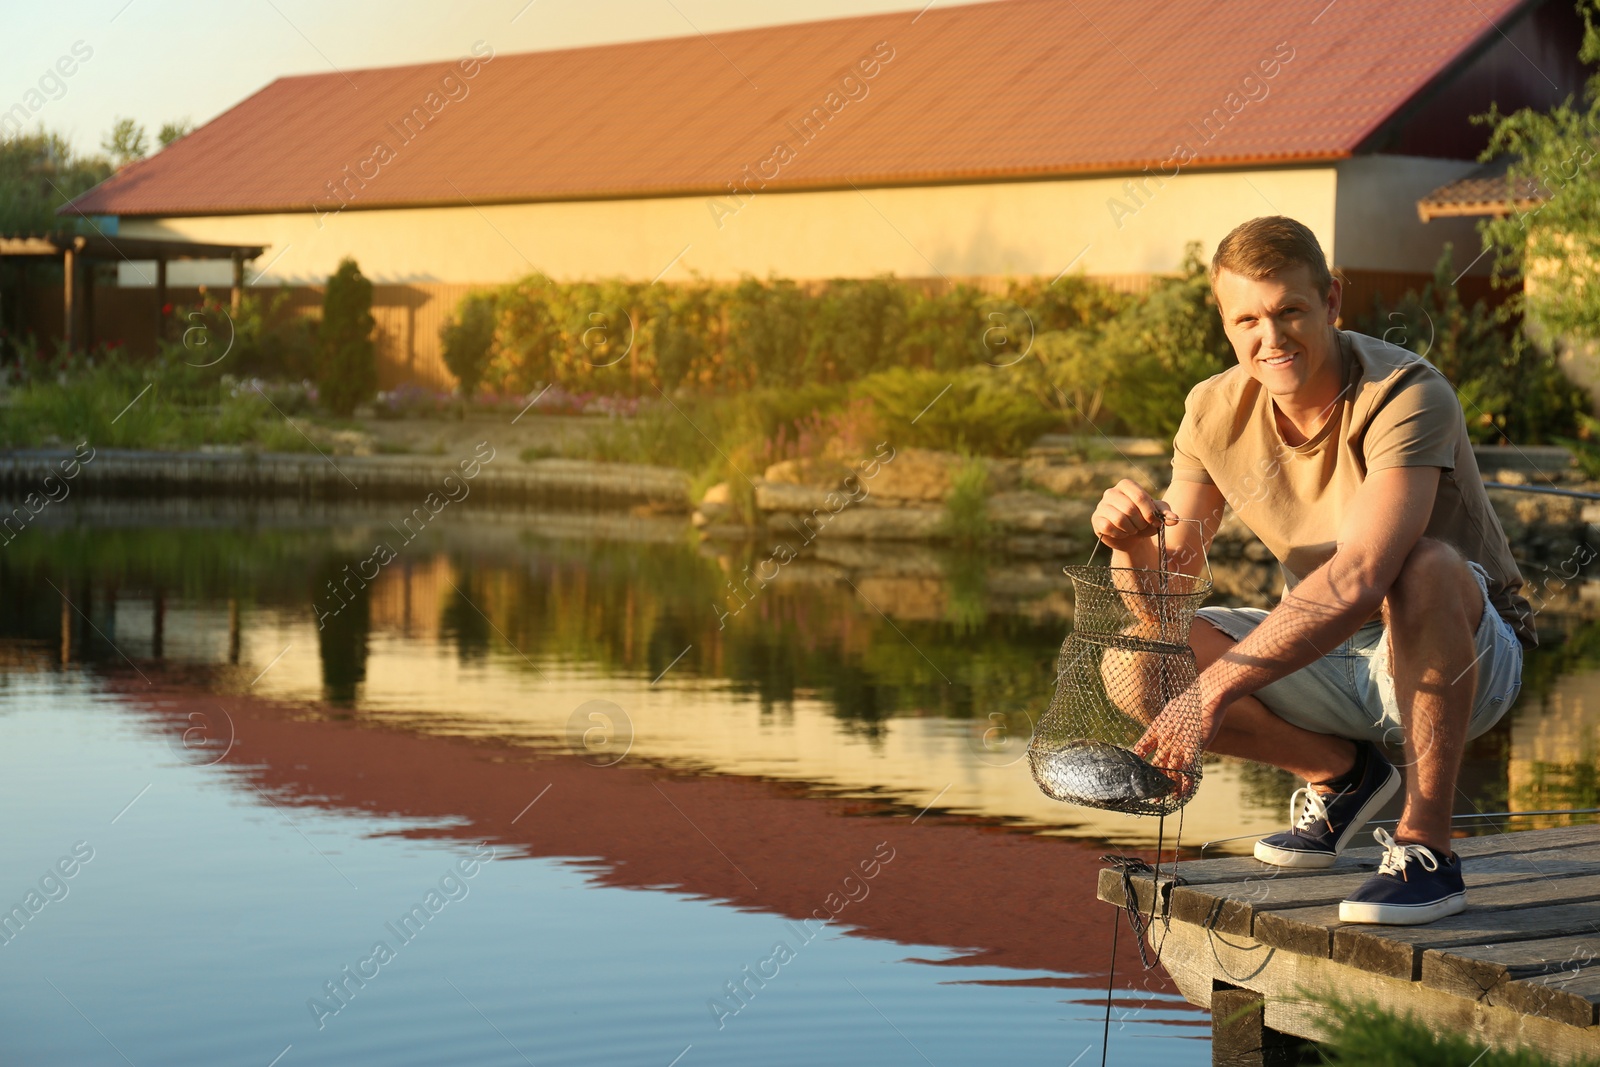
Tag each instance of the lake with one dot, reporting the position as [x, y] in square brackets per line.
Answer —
[542, 788]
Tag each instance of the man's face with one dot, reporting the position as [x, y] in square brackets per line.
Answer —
[1279, 327]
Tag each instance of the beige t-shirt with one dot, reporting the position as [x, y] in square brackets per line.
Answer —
[1396, 410]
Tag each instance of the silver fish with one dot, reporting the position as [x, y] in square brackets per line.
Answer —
[1097, 774]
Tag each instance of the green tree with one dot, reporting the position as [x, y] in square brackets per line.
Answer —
[125, 142]
[1509, 388]
[1554, 245]
[468, 340]
[769, 330]
[349, 371]
[858, 328]
[1133, 370]
[172, 131]
[39, 173]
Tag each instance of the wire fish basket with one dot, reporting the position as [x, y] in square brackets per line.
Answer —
[1126, 661]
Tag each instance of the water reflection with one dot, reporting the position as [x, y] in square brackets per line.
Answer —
[864, 699]
[901, 670]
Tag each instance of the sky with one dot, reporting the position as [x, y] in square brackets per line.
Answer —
[159, 61]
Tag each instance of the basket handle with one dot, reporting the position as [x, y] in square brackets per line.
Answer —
[1161, 548]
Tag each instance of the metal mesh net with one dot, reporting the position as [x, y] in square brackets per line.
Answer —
[1126, 661]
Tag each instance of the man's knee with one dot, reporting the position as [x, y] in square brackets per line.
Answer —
[1208, 642]
[1434, 578]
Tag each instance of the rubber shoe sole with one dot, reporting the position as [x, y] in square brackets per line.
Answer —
[1352, 911]
[1292, 857]
[1308, 860]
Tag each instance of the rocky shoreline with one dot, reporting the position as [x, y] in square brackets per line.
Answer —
[1036, 507]
[1039, 506]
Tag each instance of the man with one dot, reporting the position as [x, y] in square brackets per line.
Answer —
[1401, 618]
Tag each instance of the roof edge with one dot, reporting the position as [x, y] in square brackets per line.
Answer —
[1433, 86]
[1117, 170]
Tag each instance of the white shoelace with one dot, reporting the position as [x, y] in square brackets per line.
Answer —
[1396, 855]
[1313, 809]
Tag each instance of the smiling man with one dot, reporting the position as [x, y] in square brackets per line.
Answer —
[1401, 619]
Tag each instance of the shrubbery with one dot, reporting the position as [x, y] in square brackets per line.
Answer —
[1510, 389]
[468, 339]
[1131, 370]
[164, 402]
[616, 336]
[348, 374]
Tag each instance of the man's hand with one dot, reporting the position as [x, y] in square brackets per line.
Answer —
[1128, 514]
[1173, 742]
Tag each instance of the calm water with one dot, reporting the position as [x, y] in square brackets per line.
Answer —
[652, 832]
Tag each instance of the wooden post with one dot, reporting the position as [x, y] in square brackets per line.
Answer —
[233, 630]
[236, 293]
[88, 304]
[161, 300]
[158, 626]
[66, 630]
[1240, 1036]
[69, 293]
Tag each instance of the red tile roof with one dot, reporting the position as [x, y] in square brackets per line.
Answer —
[1013, 89]
[1482, 192]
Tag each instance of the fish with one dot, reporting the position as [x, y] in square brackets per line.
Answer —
[1097, 774]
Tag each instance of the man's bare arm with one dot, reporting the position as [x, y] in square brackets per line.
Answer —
[1386, 518]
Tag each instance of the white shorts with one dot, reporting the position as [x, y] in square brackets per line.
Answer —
[1350, 691]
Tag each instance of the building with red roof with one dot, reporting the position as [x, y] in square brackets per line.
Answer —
[1021, 137]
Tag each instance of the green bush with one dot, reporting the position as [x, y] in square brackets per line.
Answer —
[1553, 244]
[966, 509]
[944, 330]
[349, 371]
[163, 402]
[1360, 1032]
[982, 410]
[682, 327]
[769, 333]
[39, 172]
[858, 327]
[1132, 371]
[467, 339]
[1509, 388]
[615, 336]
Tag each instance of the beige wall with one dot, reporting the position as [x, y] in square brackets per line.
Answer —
[1022, 228]
[1376, 221]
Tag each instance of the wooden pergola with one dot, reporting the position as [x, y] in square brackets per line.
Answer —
[76, 251]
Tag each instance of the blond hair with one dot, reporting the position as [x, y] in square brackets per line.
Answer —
[1267, 246]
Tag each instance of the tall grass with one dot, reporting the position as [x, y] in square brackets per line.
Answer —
[966, 509]
[162, 403]
[1359, 1032]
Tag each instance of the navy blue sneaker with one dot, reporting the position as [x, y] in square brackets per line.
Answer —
[1412, 886]
[1326, 822]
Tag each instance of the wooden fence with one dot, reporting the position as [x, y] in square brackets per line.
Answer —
[408, 316]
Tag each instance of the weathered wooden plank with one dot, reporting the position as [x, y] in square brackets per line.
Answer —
[1303, 931]
[1198, 958]
[1233, 906]
[1527, 840]
[1296, 910]
[1561, 996]
[1528, 843]
[1397, 949]
[1240, 1037]
[1241, 868]
[1556, 977]
[1497, 913]
[1110, 890]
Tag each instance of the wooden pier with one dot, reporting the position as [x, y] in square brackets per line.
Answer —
[1519, 967]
